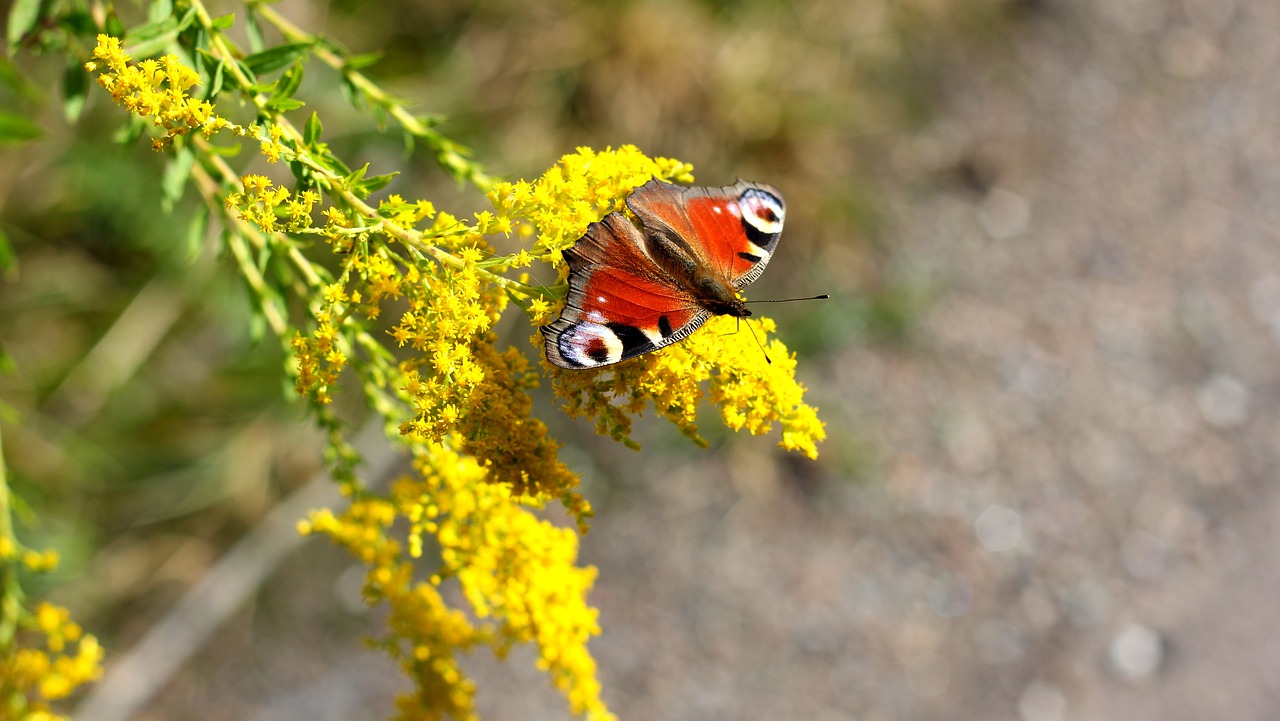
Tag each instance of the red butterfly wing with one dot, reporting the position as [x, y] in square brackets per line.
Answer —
[621, 304]
[732, 230]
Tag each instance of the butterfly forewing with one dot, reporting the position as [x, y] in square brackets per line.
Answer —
[733, 229]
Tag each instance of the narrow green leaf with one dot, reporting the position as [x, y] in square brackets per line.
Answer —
[7, 367]
[215, 85]
[311, 131]
[283, 105]
[8, 261]
[288, 83]
[17, 129]
[196, 231]
[524, 303]
[159, 10]
[151, 38]
[333, 164]
[253, 30]
[224, 22]
[225, 151]
[364, 188]
[113, 26]
[301, 174]
[244, 70]
[176, 173]
[75, 87]
[187, 18]
[429, 121]
[78, 22]
[23, 17]
[277, 57]
[364, 60]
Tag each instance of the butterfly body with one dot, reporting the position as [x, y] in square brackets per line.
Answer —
[635, 289]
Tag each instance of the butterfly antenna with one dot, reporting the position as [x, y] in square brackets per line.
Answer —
[756, 338]
[824, 296]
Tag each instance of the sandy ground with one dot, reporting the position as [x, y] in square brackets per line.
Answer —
[1070, 512]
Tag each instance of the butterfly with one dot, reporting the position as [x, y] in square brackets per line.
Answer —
[635, 289]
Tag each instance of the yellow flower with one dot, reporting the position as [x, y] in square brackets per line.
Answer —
[156, 90]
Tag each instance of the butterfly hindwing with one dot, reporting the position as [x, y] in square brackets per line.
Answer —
[620, 303]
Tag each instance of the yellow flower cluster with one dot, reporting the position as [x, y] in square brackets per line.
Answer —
[716, 364]
[155, 89]
[47, 670]
[516, 448]
[450, 314]
[425, 635]
[512, 567]
[265, 205]
[33, 560]
[517, 572]
[584, 187]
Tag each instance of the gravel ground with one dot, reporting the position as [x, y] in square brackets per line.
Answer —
[1070, 511]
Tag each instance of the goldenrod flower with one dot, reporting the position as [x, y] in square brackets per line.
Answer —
[154, 89]
[57, 660]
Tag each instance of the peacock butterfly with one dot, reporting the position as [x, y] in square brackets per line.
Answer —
[633, 289]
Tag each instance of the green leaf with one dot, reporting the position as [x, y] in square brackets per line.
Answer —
[288, 83]
[311, 131]
[277, 57]
[331, 163]
[7, 367]
[364, 188]
[283, 105]
[244, 70]
[113, 26]
[224, 22]
[196, 231]
[176, 173]
[187, 18]
[253, 30]
[215, 85]
[364, 60]
[301, 174]
[17, 129]
[75, 87]
[8, 261]
[78, 22]
[23, 17]
[159, 10]
[151, 38]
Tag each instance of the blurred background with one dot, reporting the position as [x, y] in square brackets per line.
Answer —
[1049, 366]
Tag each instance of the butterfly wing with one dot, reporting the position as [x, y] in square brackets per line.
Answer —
[620, 304]
[732, 230]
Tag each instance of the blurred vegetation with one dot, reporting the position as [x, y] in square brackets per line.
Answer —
[144, 418]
